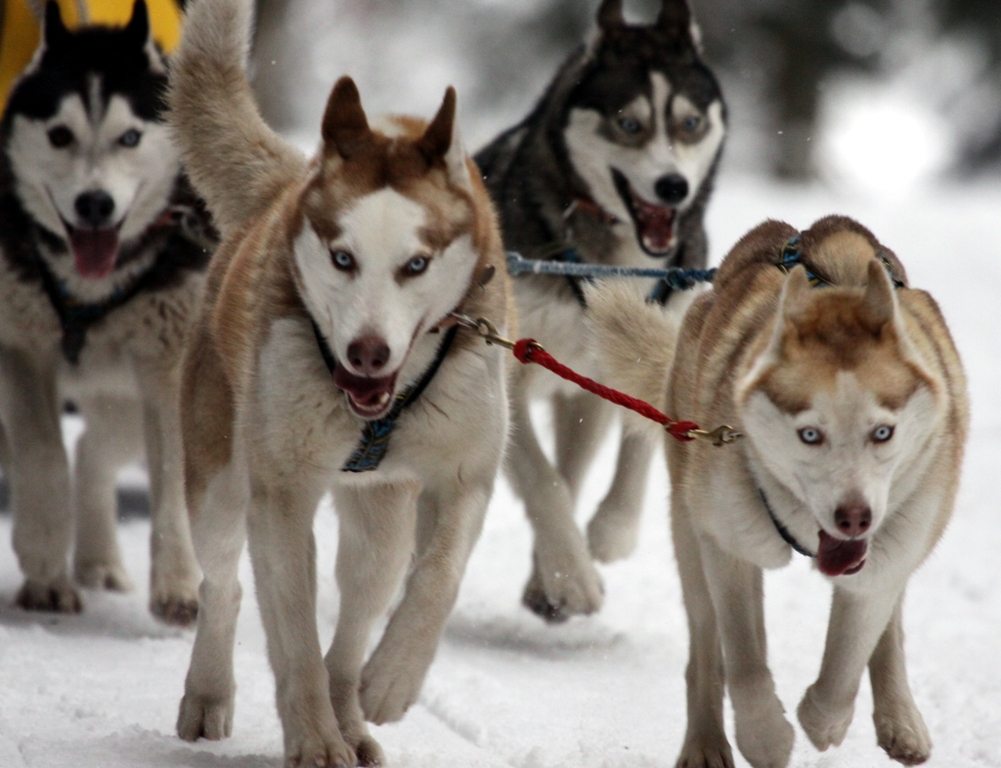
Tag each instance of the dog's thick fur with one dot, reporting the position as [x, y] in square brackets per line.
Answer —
[85, 124]
[633, 121]
[853, 404]
[328, 242]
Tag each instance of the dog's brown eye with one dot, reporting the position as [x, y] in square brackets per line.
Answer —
[882, 433]
[416, 266]
[60, 137]
[343, 261]
[811, 435]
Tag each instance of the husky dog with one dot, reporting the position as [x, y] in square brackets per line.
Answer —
[325, 325]
[103, 247]
[853, 402]
[614, 165]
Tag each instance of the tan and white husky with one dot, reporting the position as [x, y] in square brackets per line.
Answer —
[325, 314]
[853, 404]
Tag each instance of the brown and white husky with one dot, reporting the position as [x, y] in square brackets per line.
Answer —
[851, 396]
[323, 361]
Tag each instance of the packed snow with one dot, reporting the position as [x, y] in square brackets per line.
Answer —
[607, 691]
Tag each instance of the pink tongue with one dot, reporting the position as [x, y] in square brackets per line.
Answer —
[836, 556]
[94, 251]
[656, 225]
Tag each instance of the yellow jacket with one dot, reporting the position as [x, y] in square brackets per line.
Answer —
[20, 28]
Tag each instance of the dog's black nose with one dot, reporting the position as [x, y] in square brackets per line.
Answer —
[95, 207]
[853, 519]
[368, 355]
[672, 188]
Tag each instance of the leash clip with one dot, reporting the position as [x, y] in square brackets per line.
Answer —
[723, 435]
[484, 327]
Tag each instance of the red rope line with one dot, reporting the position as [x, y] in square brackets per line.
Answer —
[529, 351]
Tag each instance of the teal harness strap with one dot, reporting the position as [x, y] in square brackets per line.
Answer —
[374, 441]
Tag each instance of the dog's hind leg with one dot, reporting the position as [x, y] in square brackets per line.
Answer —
[375, 544]
[900, 729]
[705, 745]
[764, 736]
[283, 553]
[613, 531]
[564, 581]
[218, 527]
[39, 481]
[113, 437]
[857, 622]
[392, 678]
[173, 594]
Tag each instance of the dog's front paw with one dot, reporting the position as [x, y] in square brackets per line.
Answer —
[57, 595]
[368, 752]
[564, 582]
[705, 753]
[174, 601]
[391, 681]
[102, 575]
[903, 735]
[612, 534]
[205, 717]
[310, 745]
[825, 724]
[764, 736]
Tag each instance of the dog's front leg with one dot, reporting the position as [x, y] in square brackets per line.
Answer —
[614, 530]
[39, 481]
[564, 581]
[900, 729]
[764, 736]
[173, 595]
[392, 678]
[375, 544]
[283, 553]
[858, 619]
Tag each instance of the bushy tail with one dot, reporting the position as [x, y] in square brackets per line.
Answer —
[635, 342]
[234, 159]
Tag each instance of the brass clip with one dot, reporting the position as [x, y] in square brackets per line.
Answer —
[490, 334]
[723, 435]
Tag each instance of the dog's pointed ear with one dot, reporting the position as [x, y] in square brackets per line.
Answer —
[55, 30]
[441, 140]
[610, 14]
[675, 19]
[795, 293]
[345, 127]
[878, 302]
[138, 29]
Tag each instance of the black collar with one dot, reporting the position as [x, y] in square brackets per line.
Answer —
[374, 442]
[787, 537]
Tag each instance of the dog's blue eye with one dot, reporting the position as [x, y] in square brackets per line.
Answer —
[811, 436]
[130, 138]
[882, 433]
[343, 261]
[416, 266]
[629, 125]
[691, 124]
[61, 136]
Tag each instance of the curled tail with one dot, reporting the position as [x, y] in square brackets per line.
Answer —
[635, 342]
[235, 160]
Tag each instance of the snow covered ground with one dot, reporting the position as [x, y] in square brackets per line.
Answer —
[101, 689]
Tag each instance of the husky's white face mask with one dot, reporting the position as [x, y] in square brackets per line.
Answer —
[386, 248]
[833, 425]
[645, 124]
[90, 169]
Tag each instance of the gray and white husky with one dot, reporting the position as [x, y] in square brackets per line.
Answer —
[614, 165]
[103, 247]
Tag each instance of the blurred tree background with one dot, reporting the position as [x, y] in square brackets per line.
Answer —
[779, 61]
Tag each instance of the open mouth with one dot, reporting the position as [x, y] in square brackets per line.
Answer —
[368, 397]
[95, 251]
[654, 223]
[840, 557]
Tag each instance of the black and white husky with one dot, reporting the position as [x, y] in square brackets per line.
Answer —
[103, 247]
[614, 165]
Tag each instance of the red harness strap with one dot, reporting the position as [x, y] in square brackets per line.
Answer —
[530, 351]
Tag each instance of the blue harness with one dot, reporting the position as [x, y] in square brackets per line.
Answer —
[374, 441]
